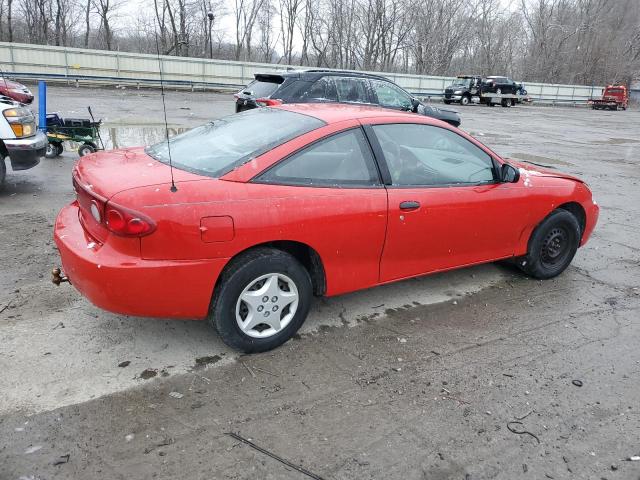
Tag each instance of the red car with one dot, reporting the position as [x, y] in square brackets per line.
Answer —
[16, 91]
[275, 205]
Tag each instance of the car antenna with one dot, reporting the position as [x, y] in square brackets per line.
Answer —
[164, 109]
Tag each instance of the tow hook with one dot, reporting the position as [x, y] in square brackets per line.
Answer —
[57, 277]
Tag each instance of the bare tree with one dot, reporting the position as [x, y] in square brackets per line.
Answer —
[245, 14]
[289, 11]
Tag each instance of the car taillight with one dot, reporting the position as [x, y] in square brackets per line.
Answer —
[268, 102]
[128, 223]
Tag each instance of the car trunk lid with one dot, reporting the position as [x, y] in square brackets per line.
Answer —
[98, 177]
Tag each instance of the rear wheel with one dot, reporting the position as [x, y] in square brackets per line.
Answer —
[499, 91]
[60, 149]
[86, 149]
[446, 102]
[552, 246]
[262, 299]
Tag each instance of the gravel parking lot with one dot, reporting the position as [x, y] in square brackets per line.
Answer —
[420, 379]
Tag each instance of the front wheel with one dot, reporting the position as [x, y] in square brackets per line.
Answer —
[552, 246]
[3, 171]
[262, 299]
[465, 100]
[51, 150]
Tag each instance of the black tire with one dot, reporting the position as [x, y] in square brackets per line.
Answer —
[552, 245]
[505, 102]
[490, 103]
[241, 274]
[86, 149]
[499, 91]
[51, 150]
[446, 102]
[465, 100]
[3, 171]
[60, 149]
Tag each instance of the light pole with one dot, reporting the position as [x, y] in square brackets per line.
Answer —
[210, 17]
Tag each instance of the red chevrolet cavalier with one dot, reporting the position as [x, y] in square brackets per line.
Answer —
[276, 205]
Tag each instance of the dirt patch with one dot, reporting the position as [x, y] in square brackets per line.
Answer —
[619, 141]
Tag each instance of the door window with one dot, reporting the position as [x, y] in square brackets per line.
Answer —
[391, 96]
[343, 159]
[352, 90]
[432, 156]
[322, 90]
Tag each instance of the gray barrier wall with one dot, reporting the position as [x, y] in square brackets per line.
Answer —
[26, 61]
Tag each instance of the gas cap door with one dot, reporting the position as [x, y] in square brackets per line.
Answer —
[216, 229]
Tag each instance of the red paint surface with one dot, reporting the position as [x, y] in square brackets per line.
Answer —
[360, 234]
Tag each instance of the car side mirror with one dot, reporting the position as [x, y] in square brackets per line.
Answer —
[509, 173]
[415, 103]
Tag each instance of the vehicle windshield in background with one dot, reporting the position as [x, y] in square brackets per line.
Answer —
[218, 147]
[261, 89]
[463, 82]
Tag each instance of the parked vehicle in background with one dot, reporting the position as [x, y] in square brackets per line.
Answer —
[15, 90]
[278, 204]
[490, 91]
[499, 85]
[19, 138]
[613, 97]
[463, 89]
[323, 86]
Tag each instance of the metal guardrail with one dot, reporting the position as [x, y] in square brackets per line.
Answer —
[76, 66]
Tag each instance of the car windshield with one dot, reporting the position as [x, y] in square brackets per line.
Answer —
[462, 82]
[220, 146]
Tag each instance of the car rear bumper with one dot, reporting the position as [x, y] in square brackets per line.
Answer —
[129, 285]
[26, 153]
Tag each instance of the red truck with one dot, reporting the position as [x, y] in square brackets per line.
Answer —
[613, 97]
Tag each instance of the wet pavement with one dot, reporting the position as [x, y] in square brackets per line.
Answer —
[421, 379]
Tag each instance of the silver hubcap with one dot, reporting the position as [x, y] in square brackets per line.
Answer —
[267, 305]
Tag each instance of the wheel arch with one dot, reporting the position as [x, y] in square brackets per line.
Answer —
[304, 253]
[577, 211]
[574, 208]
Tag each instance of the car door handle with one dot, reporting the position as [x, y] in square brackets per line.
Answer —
[409, 205]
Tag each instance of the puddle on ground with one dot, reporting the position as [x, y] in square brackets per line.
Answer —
[527, 157]
[123, 136]
[619, 141]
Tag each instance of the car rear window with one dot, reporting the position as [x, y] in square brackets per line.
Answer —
[220, 146]
[262, 88]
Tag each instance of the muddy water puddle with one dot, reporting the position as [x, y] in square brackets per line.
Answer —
[123, 136]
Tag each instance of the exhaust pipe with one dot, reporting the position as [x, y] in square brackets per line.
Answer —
[57, 277]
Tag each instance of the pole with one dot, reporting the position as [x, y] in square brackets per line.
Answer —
[42, 105]
[210, 16]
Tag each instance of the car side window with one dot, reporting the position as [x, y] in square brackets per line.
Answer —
[352, 90]
[391, 96]
[418, 154]
[322, 90]
[343, 160]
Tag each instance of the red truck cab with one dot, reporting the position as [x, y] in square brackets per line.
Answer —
[613, 97]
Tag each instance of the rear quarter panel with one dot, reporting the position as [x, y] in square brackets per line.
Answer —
[346, 227]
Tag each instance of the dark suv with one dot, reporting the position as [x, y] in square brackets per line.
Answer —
[316, 86]
[499, 85]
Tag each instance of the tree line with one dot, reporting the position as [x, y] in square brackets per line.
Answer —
[552, 41]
